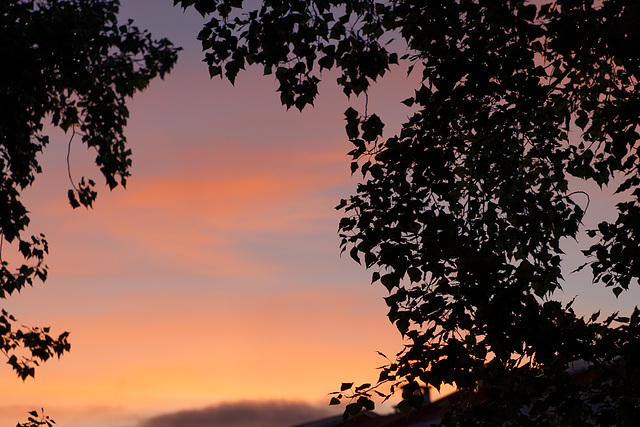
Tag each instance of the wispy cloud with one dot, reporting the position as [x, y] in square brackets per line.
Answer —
[243, 414]
[210, 221]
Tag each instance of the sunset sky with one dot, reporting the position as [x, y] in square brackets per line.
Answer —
[213, 283]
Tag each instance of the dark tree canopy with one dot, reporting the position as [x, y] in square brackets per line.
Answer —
[462, 215]
[70, 63]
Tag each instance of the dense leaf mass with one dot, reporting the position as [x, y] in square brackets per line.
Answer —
[462, 215]
[71, 63]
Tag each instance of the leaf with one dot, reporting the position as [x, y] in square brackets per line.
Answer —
[366, 403]
[414, 274]
[409, 102]
[346, 386]
[389, 282]
[403, 325]
[372, 128]
[635, 317]
[215, 70]
[404, 407]
[370, 259]
[334, 401]
[351, 114]
[363, 387]
[72, 199]
[353, 409]
[354, 254]
[326, 62]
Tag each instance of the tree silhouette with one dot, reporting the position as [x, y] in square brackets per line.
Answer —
[462, 215]
[70, 62]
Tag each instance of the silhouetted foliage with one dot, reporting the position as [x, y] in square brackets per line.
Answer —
[37, 419]
[71, 63]
[463, 213]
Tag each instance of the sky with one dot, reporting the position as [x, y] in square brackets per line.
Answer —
[215, 279]
[212, 287]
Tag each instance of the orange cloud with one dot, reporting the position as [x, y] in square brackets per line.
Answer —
[205, 222]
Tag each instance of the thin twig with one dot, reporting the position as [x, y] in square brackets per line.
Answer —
[73, 133]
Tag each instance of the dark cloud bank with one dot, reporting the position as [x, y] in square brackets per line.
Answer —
[244, 414]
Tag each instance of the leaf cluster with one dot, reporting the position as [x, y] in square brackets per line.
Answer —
[38, 345]
[462, 214]
[295, 40]
[73, 63]
[37, 419]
